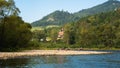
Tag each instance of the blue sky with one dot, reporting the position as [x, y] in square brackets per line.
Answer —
[32, 10]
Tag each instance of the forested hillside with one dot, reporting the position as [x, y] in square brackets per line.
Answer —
[101, 30]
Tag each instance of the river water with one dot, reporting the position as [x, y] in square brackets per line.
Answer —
[77, 61]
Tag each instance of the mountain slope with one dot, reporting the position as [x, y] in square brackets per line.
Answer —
[55, 18]
[110, 5]
[62, 17]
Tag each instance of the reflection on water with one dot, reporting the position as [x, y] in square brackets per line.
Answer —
[80, 61]
[32, 62]
[13, 63]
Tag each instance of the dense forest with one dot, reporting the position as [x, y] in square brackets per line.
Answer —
[101, 30]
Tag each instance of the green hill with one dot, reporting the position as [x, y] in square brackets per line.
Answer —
[62, 17]
[55, 18]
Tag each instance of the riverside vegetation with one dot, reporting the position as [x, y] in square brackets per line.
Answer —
[96, 31]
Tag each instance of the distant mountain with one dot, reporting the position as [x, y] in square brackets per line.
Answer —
[55, 18]
[110, 5]
[62, 17]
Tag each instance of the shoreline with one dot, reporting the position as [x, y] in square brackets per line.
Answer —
[8, 55]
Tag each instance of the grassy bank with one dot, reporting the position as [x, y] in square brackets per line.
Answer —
[56, 46]
[63, 46]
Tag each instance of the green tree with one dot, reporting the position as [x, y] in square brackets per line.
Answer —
[7, 8]
[40, 35]
[69, 34]
[17, 34]
[14, 32]
[54, 34]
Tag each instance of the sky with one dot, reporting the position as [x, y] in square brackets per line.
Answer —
[33, 10]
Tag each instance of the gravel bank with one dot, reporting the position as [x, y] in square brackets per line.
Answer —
[7, 55]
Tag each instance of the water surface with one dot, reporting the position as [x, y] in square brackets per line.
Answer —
[78, 61]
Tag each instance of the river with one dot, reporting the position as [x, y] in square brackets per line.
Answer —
[77, 61]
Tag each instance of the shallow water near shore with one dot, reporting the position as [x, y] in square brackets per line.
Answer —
[78, 61]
